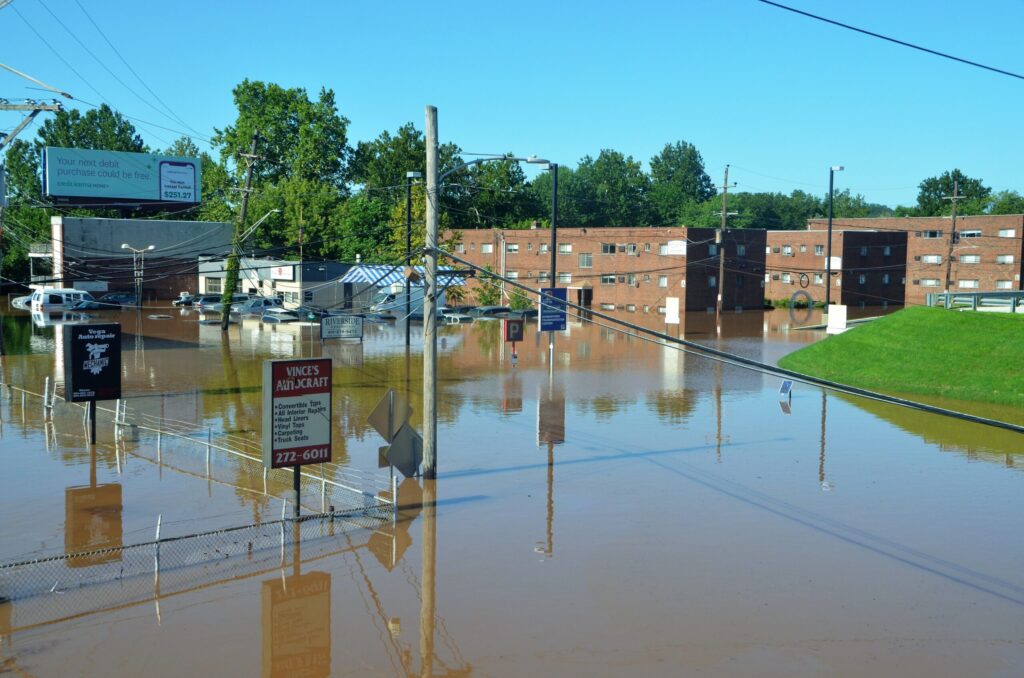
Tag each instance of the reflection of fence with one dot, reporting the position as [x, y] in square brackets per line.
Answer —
[109, 578]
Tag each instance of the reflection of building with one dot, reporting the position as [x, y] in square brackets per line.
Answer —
[868, 267]
[628, 269]
[87, 253]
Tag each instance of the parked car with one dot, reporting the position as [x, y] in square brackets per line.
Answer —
[212, 302]
[278, 315]
[91, 305]
[115, 299]
[22, 302]
[256, 305]
[57, 298]
[184, 299]
[490, 312]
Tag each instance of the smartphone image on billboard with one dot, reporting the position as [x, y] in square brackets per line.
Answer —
[178, 182]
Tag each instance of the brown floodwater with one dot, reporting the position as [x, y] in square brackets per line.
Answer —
[625, 508]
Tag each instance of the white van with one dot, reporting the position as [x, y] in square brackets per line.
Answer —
[57, 298]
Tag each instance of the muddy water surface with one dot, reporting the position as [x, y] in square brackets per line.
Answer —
[622, 509]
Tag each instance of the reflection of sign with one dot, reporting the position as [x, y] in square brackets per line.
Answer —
[341, 327]
[513, 329]
[297, 626]
[282, 273]
[552, 309]
[92, 521]
[296, 412]
[83, 176]
[550, 418]
[92, 362]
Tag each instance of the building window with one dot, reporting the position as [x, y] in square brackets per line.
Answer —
[647, 247]
[607, 279]
[291, 297]
[819, 278]
[565, 248]
[460, 248]
[741, 250]
[661, 310]
[586, 260]
[213, 286]
[971, 234]
[662, 249]
[929, 282]
[863, 251]
[1007, 233]
[712, 250]
[931, 258]
[486, 248]
[565, 277]
[647, 309]
[512, 275]
[712, 281]
[1004, 258]
[542, 276]
[631, 308]
[1004, 284]
[607, 307]
[861, 279]
[787, 250]
[609, 248]
[662, 281]
[307, 297]
[544, 248]
[529, 247]
[472, 247]
[632, 249]
[739, 281]
[512, 248]
[631, 279]
[819, 250]
[803, 248]
[767, 277]
[931, 234]
[967, 284]
[647, 277]
[887, 251]
[787, 277]
[885, 278]
[970, 258]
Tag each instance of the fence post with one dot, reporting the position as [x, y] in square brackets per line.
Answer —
[46, 397]
[156, 560]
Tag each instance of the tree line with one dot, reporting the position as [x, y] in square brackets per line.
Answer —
[341, 199]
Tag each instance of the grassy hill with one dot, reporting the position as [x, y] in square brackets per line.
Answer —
[927, 351]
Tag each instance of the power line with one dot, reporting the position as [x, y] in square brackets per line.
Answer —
[893, 40]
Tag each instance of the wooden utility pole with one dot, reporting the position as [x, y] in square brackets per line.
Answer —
[430, 304]
[231, 276]
[720, 240]
[952, 236]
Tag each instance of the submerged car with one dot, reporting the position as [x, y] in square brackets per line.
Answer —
[278, 315]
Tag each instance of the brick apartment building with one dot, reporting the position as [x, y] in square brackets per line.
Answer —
[632, 270]
[987, 251]
[868, 267]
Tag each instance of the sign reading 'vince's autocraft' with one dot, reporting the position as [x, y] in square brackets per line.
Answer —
[296, 412]
[92, 362]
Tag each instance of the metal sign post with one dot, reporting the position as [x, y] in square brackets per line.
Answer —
[296, 415]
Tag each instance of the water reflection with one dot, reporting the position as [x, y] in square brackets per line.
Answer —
[296, 625]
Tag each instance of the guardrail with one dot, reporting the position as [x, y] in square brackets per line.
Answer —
[976, 300]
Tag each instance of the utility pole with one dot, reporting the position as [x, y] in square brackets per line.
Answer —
[429, 304]
[231, 276]
[952, 236]
[720, 240]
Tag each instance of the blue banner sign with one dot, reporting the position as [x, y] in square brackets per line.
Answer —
[552, 309]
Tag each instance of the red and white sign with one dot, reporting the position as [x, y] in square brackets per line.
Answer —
[282, 273]
[296, 412]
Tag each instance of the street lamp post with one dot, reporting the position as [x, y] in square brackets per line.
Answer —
[553, 168]
[138, 264]
[828, 243]
[409, 176]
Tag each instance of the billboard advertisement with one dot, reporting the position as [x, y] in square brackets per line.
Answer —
[78, 176]
[92, 362]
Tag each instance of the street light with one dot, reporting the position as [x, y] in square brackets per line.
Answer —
[828, 245]
[138, 263]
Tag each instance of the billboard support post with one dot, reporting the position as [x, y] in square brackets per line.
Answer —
[92, 422]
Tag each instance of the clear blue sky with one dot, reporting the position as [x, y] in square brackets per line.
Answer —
[778, 96]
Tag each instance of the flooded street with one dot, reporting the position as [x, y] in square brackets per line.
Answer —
[625, 509]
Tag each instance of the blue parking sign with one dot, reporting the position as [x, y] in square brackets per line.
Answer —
[552, 309]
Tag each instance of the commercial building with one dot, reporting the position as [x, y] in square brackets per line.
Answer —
[313, 283]
[88, 253]
[633, 270]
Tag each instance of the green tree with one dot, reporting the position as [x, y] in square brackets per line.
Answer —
[610, 190]
[1006, 202]
[931, 200]
[380, 165]
[677, 178]
[488, 288]
[363, 226]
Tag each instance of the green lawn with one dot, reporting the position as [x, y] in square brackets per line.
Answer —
[927, 351]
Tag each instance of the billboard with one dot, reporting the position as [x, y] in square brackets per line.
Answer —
[78, 176]
[296, 412]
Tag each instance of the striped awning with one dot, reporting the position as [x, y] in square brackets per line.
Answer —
[381, 275]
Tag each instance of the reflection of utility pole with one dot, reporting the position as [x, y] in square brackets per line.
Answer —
[551, 500]
[821, 458]
[718, 410]
[428, 604]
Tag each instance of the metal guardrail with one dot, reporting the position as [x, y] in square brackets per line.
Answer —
[976, 300]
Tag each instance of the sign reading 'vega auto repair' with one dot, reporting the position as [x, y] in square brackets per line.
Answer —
[92, 362]
[296, 412]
